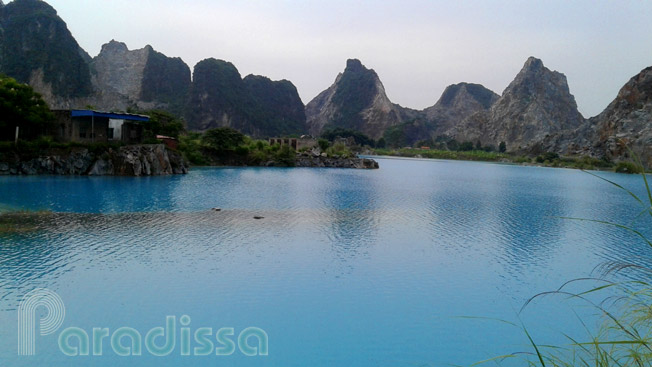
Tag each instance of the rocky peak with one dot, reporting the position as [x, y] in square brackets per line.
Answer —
[354, 66]
[458, 102]
[119, 69]
[637, 91]
[356, 100]
[37, 48]
[532, 64]
[454, 94]
[627, 122]
[29, 7]
[114, 47]
[144, 77]
[256, 105]
[535, 105]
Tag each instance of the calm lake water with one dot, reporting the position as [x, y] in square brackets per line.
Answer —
[347, 267]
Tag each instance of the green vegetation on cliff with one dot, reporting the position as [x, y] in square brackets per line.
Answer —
[166, 80]
[254, 105]
[275, 106]
[355, 92]
[35, 39]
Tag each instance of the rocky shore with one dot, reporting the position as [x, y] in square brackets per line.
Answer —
[131, 160]
[308, 159]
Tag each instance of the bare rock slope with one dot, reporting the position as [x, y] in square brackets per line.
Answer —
[626, 124]
[357, 101]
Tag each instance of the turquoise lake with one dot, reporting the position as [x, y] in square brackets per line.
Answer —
[391, 267]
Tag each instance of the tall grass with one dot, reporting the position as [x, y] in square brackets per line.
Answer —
[625, 335]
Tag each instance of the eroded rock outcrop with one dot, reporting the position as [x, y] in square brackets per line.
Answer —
[143, 78]
[627, 122]
[538, 103]
[457, 103]
[536, 107]
[36, 47]
[332, 162]
[357, 101]
[255, 106]
[131, 160]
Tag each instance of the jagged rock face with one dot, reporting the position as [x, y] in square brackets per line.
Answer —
[627, 122]
[130, 160]
[278, 109]
[458, 102]
[119, 70]
[536, 105]
[166, 82]
[256, 106]
[143, 78]
[36, 47]
[217, 97]
[356, 100]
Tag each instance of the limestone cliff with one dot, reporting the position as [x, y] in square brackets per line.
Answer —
[538, 103]
[140, 78]
[256, 106]
[536, 106]
[458, 102]
[357, 101]
[130, 160]
[276, 106]
[36, 47]
[627, 122]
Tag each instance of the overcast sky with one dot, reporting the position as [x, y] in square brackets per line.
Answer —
[417, 47]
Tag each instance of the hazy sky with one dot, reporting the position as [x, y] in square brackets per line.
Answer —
[417, 47]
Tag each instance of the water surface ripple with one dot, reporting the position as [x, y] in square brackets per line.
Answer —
[345, 267]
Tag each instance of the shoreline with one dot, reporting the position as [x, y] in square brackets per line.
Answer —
[581, 163]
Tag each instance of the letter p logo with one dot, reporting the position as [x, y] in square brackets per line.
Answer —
[39, 297]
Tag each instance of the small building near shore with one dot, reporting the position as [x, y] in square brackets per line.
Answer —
[295, 143]
[170, 142]
[90, 126]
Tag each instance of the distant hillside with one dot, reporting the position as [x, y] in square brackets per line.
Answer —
[536, 113]
[356, 101]
[37, 48]
[535, 106]
[142, 78]
[256, 105]
[626, 124]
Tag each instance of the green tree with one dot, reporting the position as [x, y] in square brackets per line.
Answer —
[21, 106]
[381, 143]
[223, 138]
[466, 146]
[162, 123]
[323, 144]
[502, 148]
[286, 156]
[339, 132]
[453, 145]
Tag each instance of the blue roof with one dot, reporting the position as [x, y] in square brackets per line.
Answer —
[116, 116]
